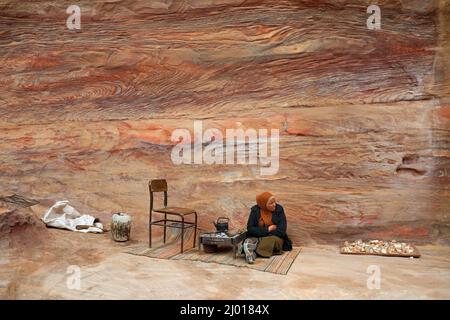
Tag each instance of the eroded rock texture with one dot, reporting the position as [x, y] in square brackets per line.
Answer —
[87, 115]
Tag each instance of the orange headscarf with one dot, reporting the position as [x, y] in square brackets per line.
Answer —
[266, 215]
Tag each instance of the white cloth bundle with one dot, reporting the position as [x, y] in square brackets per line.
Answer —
[62, 215]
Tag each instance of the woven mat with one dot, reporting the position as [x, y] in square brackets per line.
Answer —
[279, 264]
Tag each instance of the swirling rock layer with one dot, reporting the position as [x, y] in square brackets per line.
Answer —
[87, 115]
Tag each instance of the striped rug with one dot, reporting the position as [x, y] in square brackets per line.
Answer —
[279, 264]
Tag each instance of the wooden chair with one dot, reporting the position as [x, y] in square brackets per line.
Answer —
[160, 185]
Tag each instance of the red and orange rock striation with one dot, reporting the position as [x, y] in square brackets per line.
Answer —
[364, 115]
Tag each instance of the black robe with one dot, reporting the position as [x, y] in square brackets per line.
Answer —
[278, 218]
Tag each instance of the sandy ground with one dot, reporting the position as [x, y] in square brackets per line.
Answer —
[106, 272]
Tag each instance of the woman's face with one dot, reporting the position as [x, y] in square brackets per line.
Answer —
[271, 204]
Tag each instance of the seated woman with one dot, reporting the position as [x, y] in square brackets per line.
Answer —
[266, 229]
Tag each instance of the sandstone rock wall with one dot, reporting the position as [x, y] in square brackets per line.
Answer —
[87, 115]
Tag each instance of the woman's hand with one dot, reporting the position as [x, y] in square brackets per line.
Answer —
[272, 227]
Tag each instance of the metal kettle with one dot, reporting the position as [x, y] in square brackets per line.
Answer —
[221, 224]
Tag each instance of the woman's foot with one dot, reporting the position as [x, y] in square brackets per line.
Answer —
[249, 250]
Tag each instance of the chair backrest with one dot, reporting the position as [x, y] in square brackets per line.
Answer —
[157, 185]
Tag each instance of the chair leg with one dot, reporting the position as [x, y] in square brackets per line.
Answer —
[150, 231]
[165, 227]
[182, 233]
[195, 229]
